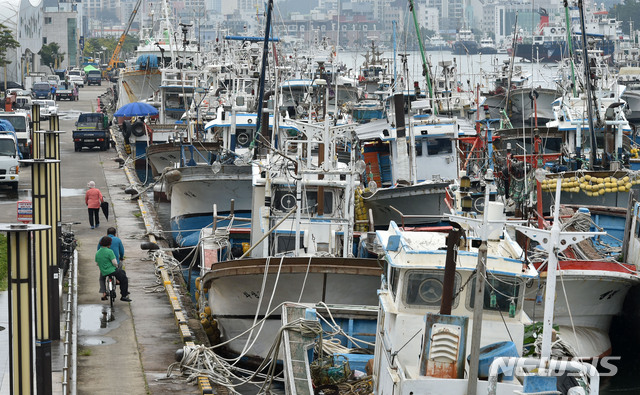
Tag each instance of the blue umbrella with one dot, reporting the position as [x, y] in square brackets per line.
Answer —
[136, 109]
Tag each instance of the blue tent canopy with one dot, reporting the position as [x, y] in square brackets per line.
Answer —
[147, 62]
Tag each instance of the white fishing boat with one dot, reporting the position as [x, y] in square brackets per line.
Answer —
[302, 246]
[158, 47]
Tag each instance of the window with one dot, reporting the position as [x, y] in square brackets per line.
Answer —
[424, 288]
[47, 20]
[419, 148]
[44, 41]
[502, 290]
[439, 146]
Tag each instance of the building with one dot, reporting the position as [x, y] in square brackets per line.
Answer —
[25, 19]
[61, 27]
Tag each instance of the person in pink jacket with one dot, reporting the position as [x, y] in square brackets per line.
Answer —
[93, 198]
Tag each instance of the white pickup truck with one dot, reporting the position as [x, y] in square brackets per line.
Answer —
[22, 125]
[47, 108]
[9, 156]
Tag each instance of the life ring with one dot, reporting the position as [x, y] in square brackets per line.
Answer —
[457, 101]
[553, 30]
[563, 30]
[137, 129]
[533, 95]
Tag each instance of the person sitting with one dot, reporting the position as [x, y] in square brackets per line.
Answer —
[108, 265]
[118, 249]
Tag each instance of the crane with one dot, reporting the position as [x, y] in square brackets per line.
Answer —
[115, 57]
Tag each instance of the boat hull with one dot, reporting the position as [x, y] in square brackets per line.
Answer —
[196, 191]
[239, 293]
[137, 85]
[555, 51]
[464, 48]
[420, 199]
[589, 294]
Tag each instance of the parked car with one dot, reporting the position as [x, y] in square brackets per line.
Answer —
[41, 90]
[78, 80]
[47, 108]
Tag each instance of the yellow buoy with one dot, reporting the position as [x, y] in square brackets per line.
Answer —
[587, 177]
[608, 190]
[601, 192]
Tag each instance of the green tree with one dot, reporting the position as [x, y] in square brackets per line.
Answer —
[94, 45]
[6, 41]
[50, 55]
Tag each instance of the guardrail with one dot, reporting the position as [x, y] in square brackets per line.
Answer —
[70, 356]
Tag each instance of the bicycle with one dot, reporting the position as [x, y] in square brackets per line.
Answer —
[110, 283]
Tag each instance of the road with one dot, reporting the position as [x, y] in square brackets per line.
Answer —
[127, 349]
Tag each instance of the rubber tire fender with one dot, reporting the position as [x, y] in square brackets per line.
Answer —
[137, 129]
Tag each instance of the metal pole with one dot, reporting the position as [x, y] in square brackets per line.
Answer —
[19, 254]
[46, 286]
[478, 301]
[52, 154]
[450, 270]
[54, 122]
[35, 116]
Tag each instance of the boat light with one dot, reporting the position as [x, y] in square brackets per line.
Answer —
[216, 167]
[467, 203]
[465, 183]
[360, 166]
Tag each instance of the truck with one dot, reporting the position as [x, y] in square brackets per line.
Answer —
[92, 130]
[9, 157]
[22, 125]
[94, 77]
[67, 90]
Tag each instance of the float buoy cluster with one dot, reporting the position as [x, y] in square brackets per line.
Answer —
[635, 153]
[591, 185]
[209, 324]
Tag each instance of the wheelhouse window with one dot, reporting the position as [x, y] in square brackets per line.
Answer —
[424, 288]
[439, 146]
[499, 293]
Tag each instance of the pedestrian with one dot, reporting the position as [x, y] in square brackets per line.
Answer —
[106, 261]
[118, 250]
[53, 92]
[93, 198]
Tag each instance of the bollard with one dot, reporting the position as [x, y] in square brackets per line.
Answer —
[19, 254]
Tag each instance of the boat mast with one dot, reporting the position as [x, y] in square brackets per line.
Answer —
[570, 44]
[265, 52]
[426, 67]
[587, 79]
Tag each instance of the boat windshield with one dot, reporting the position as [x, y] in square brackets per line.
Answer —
[424, 288]
[499, 292]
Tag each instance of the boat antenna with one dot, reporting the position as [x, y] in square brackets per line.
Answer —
[426, 67]
[587, 72]
[265, 52]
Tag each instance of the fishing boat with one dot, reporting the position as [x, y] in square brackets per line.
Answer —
[465, 43]
[157, 48]
[302, 246]
[549, 41]
[487, 46]
[409, 180]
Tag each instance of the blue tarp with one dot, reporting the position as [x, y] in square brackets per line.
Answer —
[147, 61]
[6, 126]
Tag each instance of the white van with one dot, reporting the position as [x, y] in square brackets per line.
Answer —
[9, 156]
